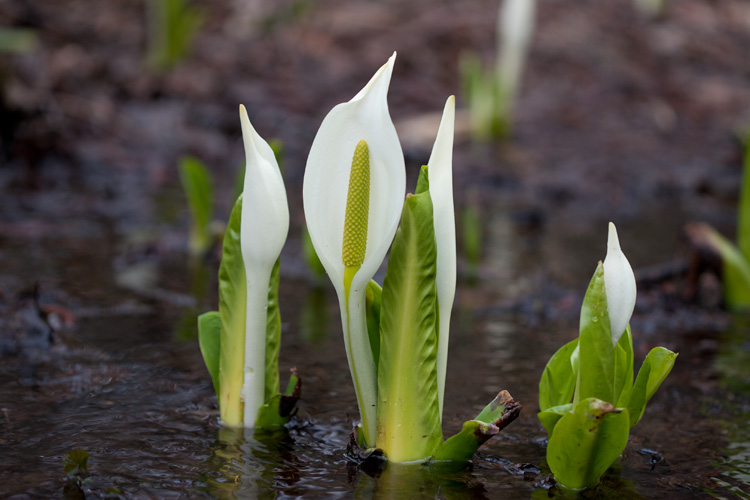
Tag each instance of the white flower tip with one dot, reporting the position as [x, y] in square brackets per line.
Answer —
[613, 242]
[383, 74]
[619, 284]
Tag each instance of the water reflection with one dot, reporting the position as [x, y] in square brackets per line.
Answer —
[249, 464]
[407, 482]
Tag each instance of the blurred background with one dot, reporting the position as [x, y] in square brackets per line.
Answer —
[632, 112]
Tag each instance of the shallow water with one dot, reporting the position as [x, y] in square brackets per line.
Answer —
[127, 382]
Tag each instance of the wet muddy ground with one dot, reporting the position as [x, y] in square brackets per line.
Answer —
[621, 118]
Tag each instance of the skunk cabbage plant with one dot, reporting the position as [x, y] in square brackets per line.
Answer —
[396, 337]
[735, 258]
[491, 95]
[587, 396]
[240, 342]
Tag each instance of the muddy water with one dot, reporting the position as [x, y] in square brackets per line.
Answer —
[127, 384]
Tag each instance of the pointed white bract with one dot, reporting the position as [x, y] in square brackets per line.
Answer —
[619, 284]
[516, 27]
[264, 228]
[440, 175]
[324, 191]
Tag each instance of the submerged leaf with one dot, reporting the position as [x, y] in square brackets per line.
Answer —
[75, 463]
[209, 337]
[558, 380]
[586, 442]
[232, 305]
[655, 368]
[408, 416]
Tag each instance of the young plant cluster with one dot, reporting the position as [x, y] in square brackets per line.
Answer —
[396, 336]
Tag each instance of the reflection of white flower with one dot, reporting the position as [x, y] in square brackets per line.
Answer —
[619, 284]
[440, 175]
[264, 228]
[380, 189]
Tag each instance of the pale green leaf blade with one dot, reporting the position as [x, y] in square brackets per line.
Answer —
[373, 304]
[552, 415]
[586, 443]
[558, 380]
[595, 343]
[623, 369]
[655, 368]
[743, 215]
[199, 192]
[460, 448]
[209, 338]
[273, 335]
[408, 417]
[232, 304]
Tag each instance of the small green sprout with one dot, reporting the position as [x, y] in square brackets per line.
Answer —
[595, 371]
[172, 26]
[199, 191]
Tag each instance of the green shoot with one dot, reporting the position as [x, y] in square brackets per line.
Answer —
[17, 40]
[172, 26]
[198, 188]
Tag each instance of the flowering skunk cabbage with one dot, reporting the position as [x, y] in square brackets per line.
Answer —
[595, 371]
[353, 190]
[396, 337]
[240, 342]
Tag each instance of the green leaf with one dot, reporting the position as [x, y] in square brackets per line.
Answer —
[595, 343]
[743, 215]
[279, 407]
[558, 380]
[75, 463]
[552, 415]
[232, 305]
[209, 337]
[408, 417]
[457, 450]
[655, 368]
[587, 442]
[273, 335]
[624, 369]
[199, 192]
[17, 40]
[373, 304]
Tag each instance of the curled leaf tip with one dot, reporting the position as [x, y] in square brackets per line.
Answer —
[357, 208]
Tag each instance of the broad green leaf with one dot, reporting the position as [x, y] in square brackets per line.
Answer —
[408, 417]
[273, 335]
[552, 415]
[423, 183]
[743, 215]
[655, 368]
[209, 337]
[460, 448]
[373, 304]
[586, 443]
[558, 380]
[199, 192]
[595, 343]
[232, 304]
[624, 369]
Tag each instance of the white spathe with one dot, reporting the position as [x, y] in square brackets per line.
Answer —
[619, 284]
[263, 231]
[440, 175]
[516, 27]
[324, 194]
